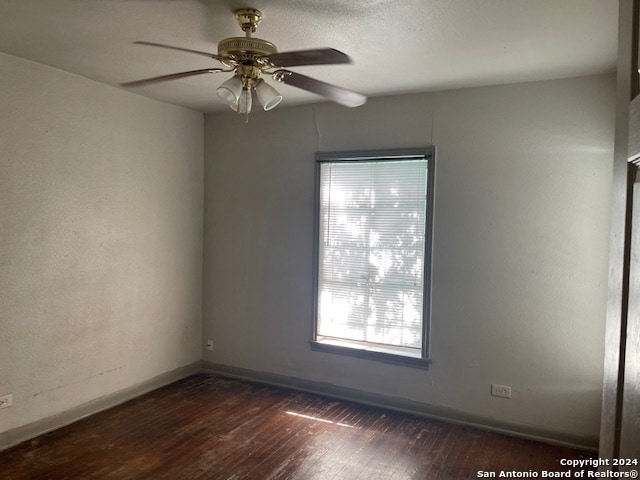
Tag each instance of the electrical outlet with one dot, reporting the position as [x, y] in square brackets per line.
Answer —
[210, 344]
[6, 401]
[503, 391]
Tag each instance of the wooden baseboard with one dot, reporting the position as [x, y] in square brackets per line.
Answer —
[40, 427]
[32, 430]
[407, 406]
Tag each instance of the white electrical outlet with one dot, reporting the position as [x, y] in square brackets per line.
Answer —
[6, 400]
[503, 391]
[209, 344]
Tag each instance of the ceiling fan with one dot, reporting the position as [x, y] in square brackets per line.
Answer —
[249, 57]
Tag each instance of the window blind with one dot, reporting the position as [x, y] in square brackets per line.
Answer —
[371, 252]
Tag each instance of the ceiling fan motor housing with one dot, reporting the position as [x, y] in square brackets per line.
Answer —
[247, 51]
[245, 47]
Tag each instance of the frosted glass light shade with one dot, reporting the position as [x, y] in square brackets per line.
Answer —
[229, 92]
[244, 102]
[267, 95]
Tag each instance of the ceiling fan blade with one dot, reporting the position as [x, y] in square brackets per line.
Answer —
[172, 76]
[162, 45]
[318, 56]
[340, 95]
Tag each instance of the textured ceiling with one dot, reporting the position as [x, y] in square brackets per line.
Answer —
[397, 46]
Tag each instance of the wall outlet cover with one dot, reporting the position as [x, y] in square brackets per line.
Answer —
[6, 400]
[503, 391]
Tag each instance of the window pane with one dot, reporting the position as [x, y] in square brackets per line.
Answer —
[372, 217]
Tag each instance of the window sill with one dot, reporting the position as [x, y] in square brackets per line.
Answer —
[372, 355]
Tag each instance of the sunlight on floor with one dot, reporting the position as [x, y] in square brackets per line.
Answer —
[309, 417]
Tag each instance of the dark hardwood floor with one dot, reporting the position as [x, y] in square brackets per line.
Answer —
[212, 427]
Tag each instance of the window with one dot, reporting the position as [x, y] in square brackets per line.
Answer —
[374, 213]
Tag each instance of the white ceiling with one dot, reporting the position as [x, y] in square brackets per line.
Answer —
[396, 45]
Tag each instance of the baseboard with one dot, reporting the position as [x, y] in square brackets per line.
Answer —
[407, 406]
[40, 427]
[26, 432]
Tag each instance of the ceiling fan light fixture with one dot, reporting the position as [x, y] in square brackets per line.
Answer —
[244, 102]
[229, 92]
[249, 57]
[268, 96]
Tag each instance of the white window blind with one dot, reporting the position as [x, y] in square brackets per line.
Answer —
[371, 254]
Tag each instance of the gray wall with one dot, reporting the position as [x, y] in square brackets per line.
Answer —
[101, 207]
[101, 204]
[520, 247]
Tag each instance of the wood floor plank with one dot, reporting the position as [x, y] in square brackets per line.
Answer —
[210, 427]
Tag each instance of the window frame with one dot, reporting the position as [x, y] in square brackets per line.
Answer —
[428, 153]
